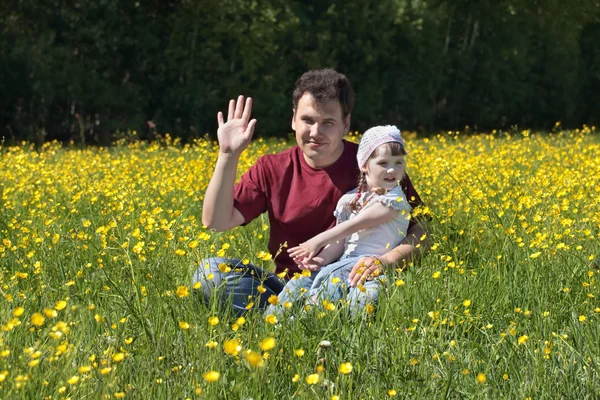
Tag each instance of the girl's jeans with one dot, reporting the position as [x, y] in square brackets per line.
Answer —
[330, 283]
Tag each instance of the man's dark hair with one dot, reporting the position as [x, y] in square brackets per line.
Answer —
[324, 85]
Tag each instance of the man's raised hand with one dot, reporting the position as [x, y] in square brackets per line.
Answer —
[235, 134]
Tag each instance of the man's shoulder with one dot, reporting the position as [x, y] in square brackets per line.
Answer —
[286, 154]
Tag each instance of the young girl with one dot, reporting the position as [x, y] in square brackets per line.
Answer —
[371, 219]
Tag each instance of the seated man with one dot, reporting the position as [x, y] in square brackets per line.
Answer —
[299, 188]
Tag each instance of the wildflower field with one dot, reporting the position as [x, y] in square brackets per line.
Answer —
[98, 247]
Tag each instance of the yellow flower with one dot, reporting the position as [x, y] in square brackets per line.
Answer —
[254, 359]
[37, 319]
[180, 252]
[119, 395]
[523, 339]
[535, 255]
[213, 321]
[271, 319]
[273, 299]
[299, 352]
[182, 291]
[105, 370]
[261, 289]
[84, 369]
[73, 380]
[50, 313]
[466, 303]
[118, 357]
[3, 375]
[296, 378]
[436, 274]
[582, 318]
[481, 378]
[399, 282]
[345, 368]
[312, 379]
[211, 344]
[61, 304]
[232, 347]
[17, 312]
[392, 392]
[184, 325]
[128, 340]
[211, 376]
[267, 344]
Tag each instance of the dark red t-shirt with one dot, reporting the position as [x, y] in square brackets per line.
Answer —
[300, 199]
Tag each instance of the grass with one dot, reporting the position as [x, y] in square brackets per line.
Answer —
[98, 246]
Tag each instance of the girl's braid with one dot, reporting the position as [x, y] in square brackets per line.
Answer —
[362, 187]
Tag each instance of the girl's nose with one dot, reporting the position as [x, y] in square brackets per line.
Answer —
[390, 171]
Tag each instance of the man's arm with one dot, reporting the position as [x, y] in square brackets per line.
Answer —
[234, 137]
[414, 244]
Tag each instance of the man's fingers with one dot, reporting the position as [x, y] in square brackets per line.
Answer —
[231, 110]
[250, 129]
[239, 107]
[220, 118]
[247, 110]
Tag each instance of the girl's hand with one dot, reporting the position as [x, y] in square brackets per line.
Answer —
[364, 269]
[305, 250]
[307, 264]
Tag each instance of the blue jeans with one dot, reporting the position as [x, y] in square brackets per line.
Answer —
[239, 286]
[329, 283]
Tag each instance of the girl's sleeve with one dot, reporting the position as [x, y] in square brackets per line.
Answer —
[394, 199]
[341, 212]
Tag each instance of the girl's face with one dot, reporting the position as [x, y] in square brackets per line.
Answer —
[384, 169]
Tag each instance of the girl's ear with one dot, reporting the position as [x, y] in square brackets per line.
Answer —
[363, 170]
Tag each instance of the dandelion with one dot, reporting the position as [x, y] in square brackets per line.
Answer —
[582, 318]
[466, 303]
[481, 378]
[299, 352]
[392, 392]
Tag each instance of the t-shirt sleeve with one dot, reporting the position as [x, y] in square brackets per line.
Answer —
[341, 212]
[249, 195]
[394, 199]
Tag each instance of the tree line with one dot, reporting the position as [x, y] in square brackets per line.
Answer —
[88, 70]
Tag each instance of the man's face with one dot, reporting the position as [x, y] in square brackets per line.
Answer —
[319, 130]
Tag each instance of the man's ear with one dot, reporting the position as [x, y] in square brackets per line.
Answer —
[347, 123]
[293, 119]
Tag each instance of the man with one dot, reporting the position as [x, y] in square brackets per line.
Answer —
[299, 188]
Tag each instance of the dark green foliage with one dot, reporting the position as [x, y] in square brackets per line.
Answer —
[84, 70]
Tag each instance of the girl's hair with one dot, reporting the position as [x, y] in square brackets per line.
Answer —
[397, 150]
